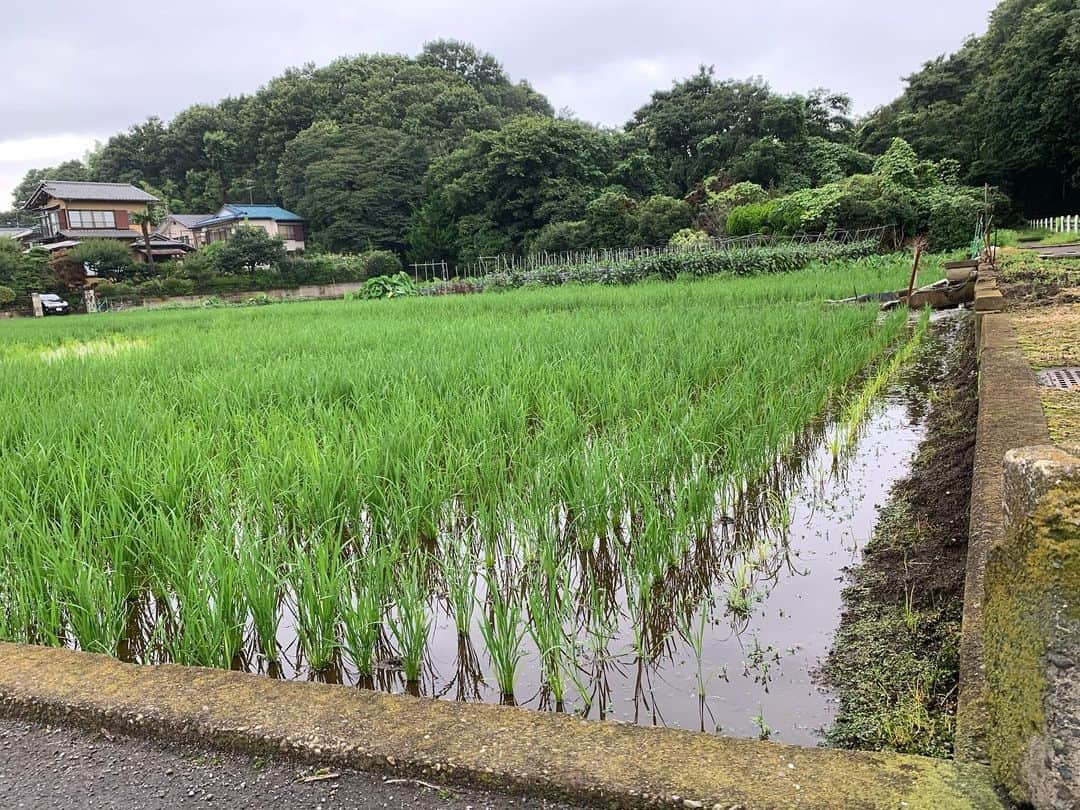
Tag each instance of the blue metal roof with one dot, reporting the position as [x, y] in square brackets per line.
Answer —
[236, 211]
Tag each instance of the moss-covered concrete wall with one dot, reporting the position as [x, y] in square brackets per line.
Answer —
[1032, 630]
[1010, 416]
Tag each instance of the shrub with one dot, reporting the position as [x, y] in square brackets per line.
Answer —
[659, 217]
[690, 238]
[335, 268]
[612, 220]
[396, 286]
[116, 289]
[107, 257]
[750, 218]
[719, 203]
[950, 214]
[7, 296]
[247, 249]
[380, 263]
[742, 193]
[560, 237]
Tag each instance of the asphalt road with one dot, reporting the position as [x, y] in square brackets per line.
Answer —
[1058, 250]
[48, 767]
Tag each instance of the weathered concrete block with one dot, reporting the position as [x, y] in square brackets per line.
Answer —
[989, 301]
[1032, 630]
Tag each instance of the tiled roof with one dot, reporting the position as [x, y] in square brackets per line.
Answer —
[234, 211]
[15, 233]
[98, 233]
[72, 190]
[188, 220]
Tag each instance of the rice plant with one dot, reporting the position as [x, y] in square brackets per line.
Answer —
[503, 632]
[260, 583]
[318, 573]
[410, 622]
[459, 567]
[363, 604]
[548, 598]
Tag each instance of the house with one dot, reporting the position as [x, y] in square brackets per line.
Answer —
[180, 228]
[273, 219]
[71, 211]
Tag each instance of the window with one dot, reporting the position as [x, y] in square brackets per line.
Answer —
[291, 230]
[91, 219]
[50, 223]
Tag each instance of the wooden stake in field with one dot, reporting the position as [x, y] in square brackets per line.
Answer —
[915, 269]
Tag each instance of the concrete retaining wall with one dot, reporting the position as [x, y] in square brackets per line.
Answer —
[520, 750]
[1019, 702]
[311, 291]
[1032, 630]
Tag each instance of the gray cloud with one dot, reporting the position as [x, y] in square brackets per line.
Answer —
[96, 70]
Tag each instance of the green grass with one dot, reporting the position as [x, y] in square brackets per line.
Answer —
[1014, 238]
[355, 468]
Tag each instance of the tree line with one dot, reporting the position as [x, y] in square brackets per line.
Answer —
[442, 156]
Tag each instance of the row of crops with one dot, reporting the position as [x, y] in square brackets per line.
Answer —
[328, 486]
[746, 260]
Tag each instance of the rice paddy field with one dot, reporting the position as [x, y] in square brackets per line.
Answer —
[624, 502]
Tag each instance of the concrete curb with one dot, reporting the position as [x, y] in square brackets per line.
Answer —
[1010, 416]
[516, 750]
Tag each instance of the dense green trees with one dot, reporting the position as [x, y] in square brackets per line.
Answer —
[703, 127]
[1004, 106]
[356, 185]
[233, 149]
[441, 156]
[68, 170]
[485, 197]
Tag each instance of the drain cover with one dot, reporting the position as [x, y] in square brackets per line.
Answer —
[1063, 378]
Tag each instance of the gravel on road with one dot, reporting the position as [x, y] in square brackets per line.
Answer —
[53, 767]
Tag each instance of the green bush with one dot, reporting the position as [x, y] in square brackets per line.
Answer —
[248, 249]
[380, 263]
[335, 268]
[116, 289]
[690, 238]
[750, 218]
[7, 296]
[949, 214]
[560, 237]
[107, 257]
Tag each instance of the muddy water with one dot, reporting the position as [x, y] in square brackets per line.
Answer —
[753, 677]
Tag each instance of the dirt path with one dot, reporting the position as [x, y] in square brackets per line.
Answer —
[45, 767]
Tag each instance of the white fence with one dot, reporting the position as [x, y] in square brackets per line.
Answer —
[1065, 224]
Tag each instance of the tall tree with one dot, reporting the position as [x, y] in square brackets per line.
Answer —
[1003, 106]
[355, 185]
[499, 187]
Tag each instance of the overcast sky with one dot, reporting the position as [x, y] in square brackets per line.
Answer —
[84, 71]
